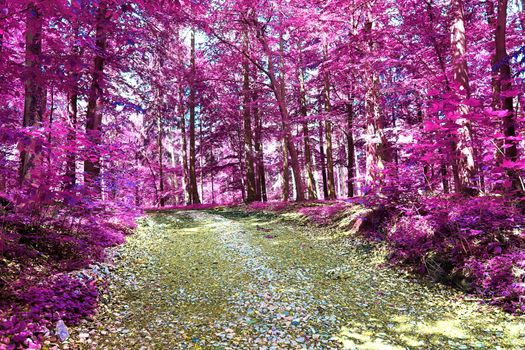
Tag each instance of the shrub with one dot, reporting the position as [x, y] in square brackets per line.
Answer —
[474, 243]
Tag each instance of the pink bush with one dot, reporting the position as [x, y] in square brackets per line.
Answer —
[38, 308]
[35, 289]
[473, 242]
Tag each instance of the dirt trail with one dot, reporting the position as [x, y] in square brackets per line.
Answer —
[203, 280]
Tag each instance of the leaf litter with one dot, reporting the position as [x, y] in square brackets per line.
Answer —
[210, 280]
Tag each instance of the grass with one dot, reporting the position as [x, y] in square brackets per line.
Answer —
[224, 279]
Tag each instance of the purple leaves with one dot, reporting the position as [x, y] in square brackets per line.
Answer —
[34, 295]
[468, 239]
[62, 299]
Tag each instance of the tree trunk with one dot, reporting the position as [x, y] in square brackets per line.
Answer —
[466, 156]
[452, 139]
[34, 91]
[212, 174]
[329, 161]
[328, 131]
[184, 145]
[491, 21]
[286, 172]
[444, 179]
[278, 88]
[261, 177]
[173, 162]
[92, 166]
[506, 101]
[377, 147]
[312, 191]
[323, 160]
[351, 148]
[71, 173]
[201, 160]
[162, 199]
[248, 135]
[194, 193]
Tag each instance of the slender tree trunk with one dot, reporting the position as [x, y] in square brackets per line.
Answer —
[505, 83]
[328, 131]
[323, 160]
[329, 160]
[251, 195]
[92, 167]
[50, 128]
[162, 199]
[286, 172]
[261, 177]
[173, 162]
[312, 191]
[452, 139]
[240, 159]
[427, 176]
[312, 188]
[34, 91]
[491, 21]
[278, 88]
[71, 172]
[201, 160]
[377, 148]
[192, 171]
[466, 162]
[351, 148]
[495, 103]
[138, 197]
[184, 145]
[212, 174]
[444, 179]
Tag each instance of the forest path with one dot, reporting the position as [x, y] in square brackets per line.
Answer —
[227, 280]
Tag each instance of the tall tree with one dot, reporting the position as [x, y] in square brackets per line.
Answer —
[34, 91]
[194, 192]
[72, 100]
[377, 148]
[322, 160]
[312, 190]
[350, 161]
[278, 88]
[261, 193]
[251, 193]
[92, 166]
[184, 145]
[460, 69]
[328, 131]
[506, 95]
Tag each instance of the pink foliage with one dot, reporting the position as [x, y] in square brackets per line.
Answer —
[106, 107]
[477, 243]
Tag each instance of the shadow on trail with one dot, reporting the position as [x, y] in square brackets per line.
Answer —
[236, 280]
[379, 307]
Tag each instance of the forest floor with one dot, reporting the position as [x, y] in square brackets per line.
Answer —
[232, 280]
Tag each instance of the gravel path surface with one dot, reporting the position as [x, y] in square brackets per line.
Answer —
[226, 280]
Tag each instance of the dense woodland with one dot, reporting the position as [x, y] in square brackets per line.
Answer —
[174, 103]
[109, 106]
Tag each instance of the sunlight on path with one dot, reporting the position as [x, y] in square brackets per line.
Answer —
[200, 280]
